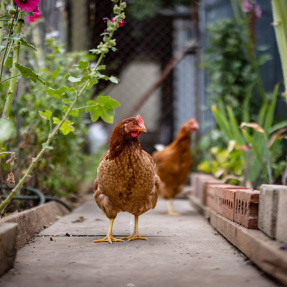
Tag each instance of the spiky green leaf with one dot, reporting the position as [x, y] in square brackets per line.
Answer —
[24, 43]
[46, 115]
[27, 72]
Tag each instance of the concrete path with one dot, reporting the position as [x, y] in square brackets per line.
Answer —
[180, 251]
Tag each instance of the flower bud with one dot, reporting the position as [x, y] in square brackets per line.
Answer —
[12, 11]
[105, 50]
[115, 25]
[117, 9]
[123, 5]
[106, 39]
[113, 42]
[110, 29]
[121, 16]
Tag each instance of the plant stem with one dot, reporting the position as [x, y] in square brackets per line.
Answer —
[2, 12]
[10, 78]
[13, 82]
[279, 18]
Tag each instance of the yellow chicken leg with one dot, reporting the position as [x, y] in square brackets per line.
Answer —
[170, 208]
[109, 238]
[135, 235]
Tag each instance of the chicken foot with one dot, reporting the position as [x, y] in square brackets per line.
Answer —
[135, 235]
[109, 238]
[170, 208]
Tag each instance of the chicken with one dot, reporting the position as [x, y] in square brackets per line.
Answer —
[173, 164]
[126, 179]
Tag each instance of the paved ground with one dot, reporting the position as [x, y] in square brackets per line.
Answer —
[180, 251]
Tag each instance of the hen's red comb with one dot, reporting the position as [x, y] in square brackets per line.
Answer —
[138, 117]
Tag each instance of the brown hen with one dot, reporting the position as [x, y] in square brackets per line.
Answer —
[126, 179]
[173, 164]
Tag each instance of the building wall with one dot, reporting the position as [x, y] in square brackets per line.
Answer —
[79, 23]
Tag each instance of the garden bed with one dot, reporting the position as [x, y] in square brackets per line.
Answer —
[29, 223]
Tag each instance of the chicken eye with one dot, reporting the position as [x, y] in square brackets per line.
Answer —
[132, 123]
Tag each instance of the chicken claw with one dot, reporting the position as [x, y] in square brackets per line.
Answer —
[170, 210]
[134, 237]
[108, 238]
[172, 213]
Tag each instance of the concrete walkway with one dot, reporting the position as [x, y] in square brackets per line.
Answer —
[180, 251]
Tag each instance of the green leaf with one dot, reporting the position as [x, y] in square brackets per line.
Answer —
[278, 126]
[56, 121]
[56, 93]
[92, 82]
[55, 73]
[234, 127]
[113, 49]
[27, 72]
[102, 100]
[67, 76]
[71, 90]
[222, 123]
[95, 51]
[25, 13]
[94, 110]
[46, 115]
[66, 101]
[7, 129]
[74, 80]
[24, 43]
[74, 113]
[114, 79]
[269, 116]
[2, 48]
[108, 115]
[112, 103]
[102, 67]
[45, 146]
[67, 127]
[17, 36]
[107, 102]
[83, 65]
[101, 76]
[84, 78]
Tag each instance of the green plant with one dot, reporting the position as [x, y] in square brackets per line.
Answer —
[232, 75]
[70, 95]
[224, 163]
[264, 140]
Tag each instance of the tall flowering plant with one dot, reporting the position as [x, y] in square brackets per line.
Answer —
[68, 94]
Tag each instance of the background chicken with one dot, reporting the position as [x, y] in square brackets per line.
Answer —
[173, 163]
[126, 179]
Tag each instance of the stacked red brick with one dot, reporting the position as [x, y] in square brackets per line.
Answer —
[236, 203]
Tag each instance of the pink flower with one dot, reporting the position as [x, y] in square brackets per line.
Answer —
[37, 15]
[120, 24]
[27, 5]
[258, 11]
[247, 6]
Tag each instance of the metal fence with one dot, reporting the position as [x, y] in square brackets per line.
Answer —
[146, 54]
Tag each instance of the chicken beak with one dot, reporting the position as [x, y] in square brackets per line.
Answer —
[142, 128]
[195, 126]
